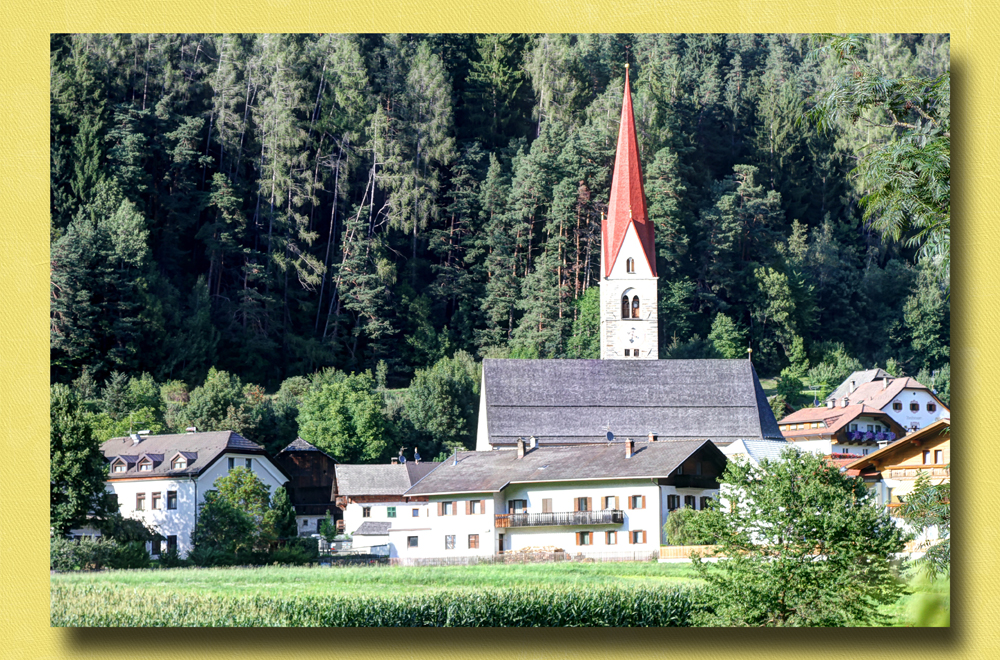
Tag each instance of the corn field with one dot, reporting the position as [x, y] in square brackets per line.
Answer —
[89, 605]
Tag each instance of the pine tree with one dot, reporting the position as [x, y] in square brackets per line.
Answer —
[77, 466]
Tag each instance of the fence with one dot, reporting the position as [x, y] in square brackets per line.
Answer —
[683, 552]
[524, 558]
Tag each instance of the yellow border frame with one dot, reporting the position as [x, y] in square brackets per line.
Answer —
[24, 586]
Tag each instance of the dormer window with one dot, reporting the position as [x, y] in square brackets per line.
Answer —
[118, 467]
[630, 265]
[145, 465]
[179, 463]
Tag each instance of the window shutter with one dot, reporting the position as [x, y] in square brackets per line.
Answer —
[590, 504]
[576, 503]
[643, 501]
[440, 508]
[643, 536]
[616, 502]
[628, 500]
[629, 533]
[578, 538]
[468, 507]
[590, 538]
[482, 506]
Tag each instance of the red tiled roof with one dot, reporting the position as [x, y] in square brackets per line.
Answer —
[874, 395]
[628, 201]
[834, 418]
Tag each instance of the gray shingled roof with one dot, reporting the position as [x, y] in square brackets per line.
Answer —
[859, 378]
[382, 479]
[200, 450]
[575, 401]
[491, 471]
[372, 528]
[301, 445]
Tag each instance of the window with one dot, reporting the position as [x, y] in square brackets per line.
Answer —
[232, 463]
[473, 541]
[878, 428]
[611, 538]
[914, 406]
[927, 457]
[584, 538]
[446, 508]
[140, 500]
[864, 452]
[249, 463]
[154, 547]
[625, 312]
[689, 501]
[146, 466]
[390, 512]
[416, 513]
[171, 544]
[155, 504]
[637, 502]
[871, 428]
[897, 406]
[630, 265]
[673, 502]
[171, 499]
[547, 505]
[704, 502]
[118, 467]
[854, 427]
[449, 542]
[680, 469]
[697, 469]
[611, 502]
[517, 506]
[583, 504]
[637, 536]
[474, 507]
[635, 307]
[628, 352]
[366, 512]
[931, 407]
[305, 522]
[938, 457]
[179, 463]
[411, 541]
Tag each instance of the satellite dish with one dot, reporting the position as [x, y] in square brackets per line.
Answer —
[611, 436]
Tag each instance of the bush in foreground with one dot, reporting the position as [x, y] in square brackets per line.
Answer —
[101, 606]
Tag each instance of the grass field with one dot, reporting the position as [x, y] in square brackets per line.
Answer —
[622, 594]
[618, 594]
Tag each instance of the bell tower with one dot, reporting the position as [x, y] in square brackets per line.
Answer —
[629, 326]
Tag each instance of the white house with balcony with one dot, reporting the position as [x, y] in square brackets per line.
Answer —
[910, 403]
[162, 479]
[610, 498]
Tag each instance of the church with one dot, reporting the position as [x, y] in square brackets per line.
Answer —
[629, 393]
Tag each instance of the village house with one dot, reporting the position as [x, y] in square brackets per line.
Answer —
[892, 470]
[374, 493]
[908, 402]
[312, 484]
[584, 499]
[857, 429]
[162, 479]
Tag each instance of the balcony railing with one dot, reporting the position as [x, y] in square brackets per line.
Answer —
[603, 517]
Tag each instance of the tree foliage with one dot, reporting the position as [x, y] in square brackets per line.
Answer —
[77, 467]
[804, 545]
[927, 508]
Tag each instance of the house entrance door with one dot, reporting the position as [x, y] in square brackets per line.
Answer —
[500, 544]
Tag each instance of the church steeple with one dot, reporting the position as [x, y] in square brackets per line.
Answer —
[627, 205]
[629, 320]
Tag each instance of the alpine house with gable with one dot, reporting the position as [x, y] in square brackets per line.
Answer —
[585, 499]
[162, 479]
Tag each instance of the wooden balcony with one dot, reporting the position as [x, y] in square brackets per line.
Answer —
[562, 519]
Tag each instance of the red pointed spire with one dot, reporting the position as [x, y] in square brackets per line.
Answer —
[628, 201]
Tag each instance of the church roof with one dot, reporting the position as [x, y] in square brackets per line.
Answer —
[577, 401]
[628, 201]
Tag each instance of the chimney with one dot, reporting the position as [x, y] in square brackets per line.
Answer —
[191, 429]
[829, 403]
[136, 439]
[844, 402]
[394, 461]
[629, 448]
[532, 442]
[885, 383]
[652, 437]
[520, 447]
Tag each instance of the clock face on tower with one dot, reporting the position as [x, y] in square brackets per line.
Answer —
[632, 336]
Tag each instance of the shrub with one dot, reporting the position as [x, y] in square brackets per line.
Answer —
[296, 551]
[89, 554]
[207, 555]
[128, 555]
[172, 559]
[682, 528]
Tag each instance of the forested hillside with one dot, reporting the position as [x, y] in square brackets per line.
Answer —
[274, 205]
